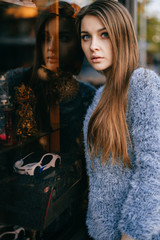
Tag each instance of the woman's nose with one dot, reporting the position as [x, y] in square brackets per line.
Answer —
[51, 44]
[94, 44]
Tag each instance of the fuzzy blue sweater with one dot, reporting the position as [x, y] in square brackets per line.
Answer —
[123, 200]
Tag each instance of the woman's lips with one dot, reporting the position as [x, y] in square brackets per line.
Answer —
[52, 60]
[96, 59]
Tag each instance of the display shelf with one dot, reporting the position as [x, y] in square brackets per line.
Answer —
[4, 147]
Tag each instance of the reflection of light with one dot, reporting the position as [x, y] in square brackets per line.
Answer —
[156, 38]
[24, 3]
[152, 9]
[22, 12]
[81, 3]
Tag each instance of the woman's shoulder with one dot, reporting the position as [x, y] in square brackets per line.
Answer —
[144, 91]
[143, 77]
[15, 76]
[143, 82]
[17, 71]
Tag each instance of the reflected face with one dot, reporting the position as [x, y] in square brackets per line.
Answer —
[50, 46]
[59, 47]
[95, 43]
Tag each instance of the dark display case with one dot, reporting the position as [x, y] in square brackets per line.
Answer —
[51, 198]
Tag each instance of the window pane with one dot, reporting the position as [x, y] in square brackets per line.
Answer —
[149, 33]
[16, 35]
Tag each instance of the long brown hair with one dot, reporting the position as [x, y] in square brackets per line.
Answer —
[65, 10]
[107, 129]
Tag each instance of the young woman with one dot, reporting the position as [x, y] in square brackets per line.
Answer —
[62, 62]
[121, 129]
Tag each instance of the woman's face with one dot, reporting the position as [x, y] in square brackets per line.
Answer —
[60, 45]
[96, 43]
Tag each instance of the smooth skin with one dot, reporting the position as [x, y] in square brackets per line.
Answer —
[96, 43]
[50, 48]
[97, 47]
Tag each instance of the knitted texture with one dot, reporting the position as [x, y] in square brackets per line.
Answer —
[123, 200]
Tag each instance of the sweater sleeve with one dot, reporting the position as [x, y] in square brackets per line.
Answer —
[140, 217]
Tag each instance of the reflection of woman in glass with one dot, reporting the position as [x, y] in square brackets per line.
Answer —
[121, 129]
[73, 96]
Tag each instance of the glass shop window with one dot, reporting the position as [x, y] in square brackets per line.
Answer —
[16, 34]
[148, 31]
[51, 46]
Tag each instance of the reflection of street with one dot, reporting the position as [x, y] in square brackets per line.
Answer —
[149, 34]
[88, 74]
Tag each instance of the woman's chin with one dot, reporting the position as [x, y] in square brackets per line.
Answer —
[52, 67]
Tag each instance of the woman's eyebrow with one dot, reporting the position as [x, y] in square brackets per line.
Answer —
[99, 30]
[102, 29]
[84, 32]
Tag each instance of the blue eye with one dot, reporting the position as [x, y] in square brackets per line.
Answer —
[105, 35]
[85, 37]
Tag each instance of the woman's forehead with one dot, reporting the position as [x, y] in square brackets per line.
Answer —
[91, 22]
[62, 24]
